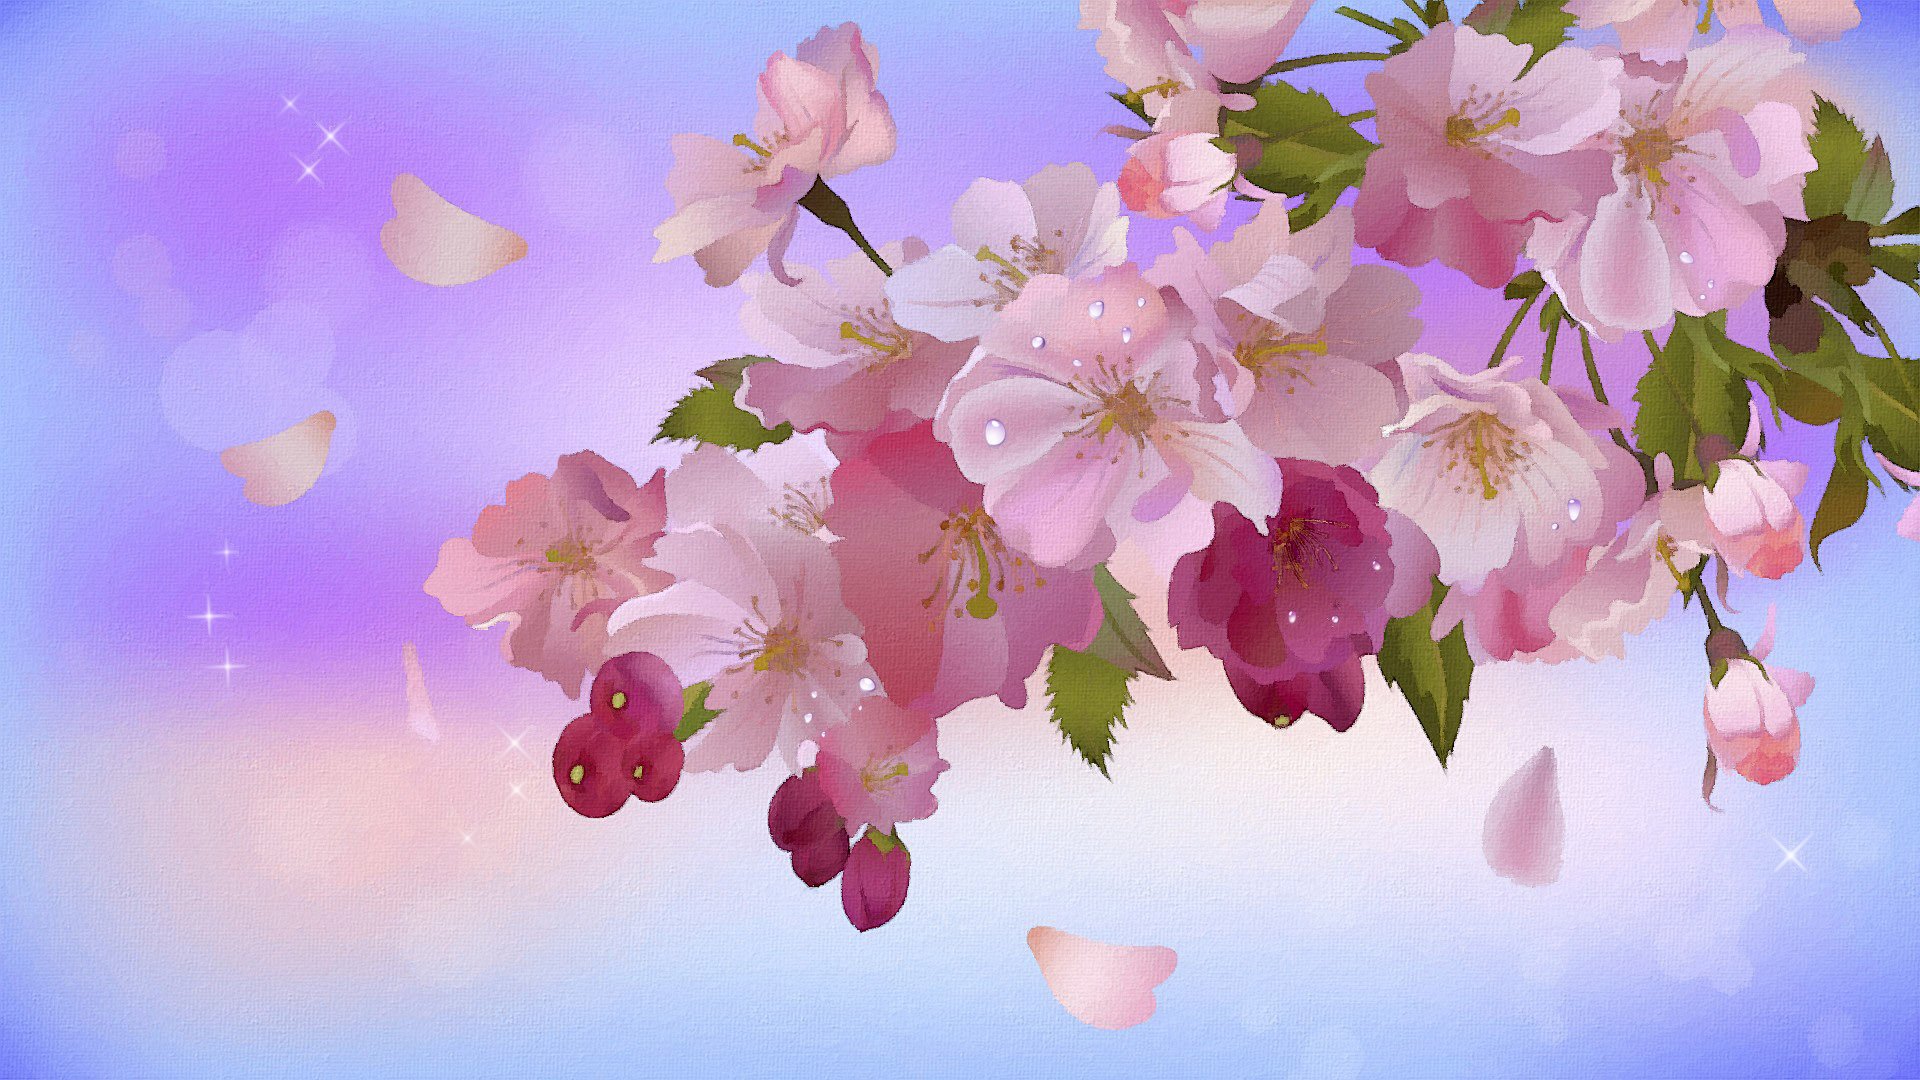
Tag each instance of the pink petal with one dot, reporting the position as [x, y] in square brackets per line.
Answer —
[435, 242]
[419, 706]
[1103, 986]
[1525, 830]
[1909, 525]
[280, 468]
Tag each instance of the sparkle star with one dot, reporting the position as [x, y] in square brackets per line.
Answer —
[209, 615]
[287, 103]
[226, 554]
[227, 666]
[466, 839]
[330, 136]
[1790, 856]
[517, 789]
[306, 170]
[515, 744]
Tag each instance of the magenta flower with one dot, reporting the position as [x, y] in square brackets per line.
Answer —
[804, 823]
[1290, 611]
[1708, 155]
[820, 117]
[553, 561]
[879, 766]
[1752, 714]
[873, 887]
[1182, 175]
[1475, 147]
[1082, 415]
[952, 611]
[1304, 342]
[844, 363]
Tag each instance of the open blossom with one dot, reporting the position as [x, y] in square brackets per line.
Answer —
[553, 560]
[879, 766]
[1236, 40]
[1475, 147]
[843, 362]
[1081, 415]
[1752, 713]
[952, 611]
[1662, 29]
[755, 605]
[1291, 610]
[1751, 518]
[1707, 158]
[1182, 175]
[1501, 470]
[1061, 221]
[1302, 340]
[819, 117]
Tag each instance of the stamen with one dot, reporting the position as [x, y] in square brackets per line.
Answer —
[742, 140]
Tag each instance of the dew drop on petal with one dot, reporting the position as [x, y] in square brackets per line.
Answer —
[806, 718]
[1039, 342]
[1096, 309]
[1376, 564]
[1126, 335]
[995, 433]
[1076, 363]
[1293, 616]
[1687, 257]
[1141, 302]
[1709, 283]
[866, 685]
[813, 693]
[1333, 618]
[1573, 509]
[1555, 526]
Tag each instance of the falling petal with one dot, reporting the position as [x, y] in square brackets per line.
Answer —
[419, 706]
[1525, 829]
[1708, 779]
[435, 242]
[1103, 986]
[280, 468]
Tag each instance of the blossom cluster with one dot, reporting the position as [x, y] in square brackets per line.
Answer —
[910, 501]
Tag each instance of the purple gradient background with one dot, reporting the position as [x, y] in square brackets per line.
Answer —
[154, 925]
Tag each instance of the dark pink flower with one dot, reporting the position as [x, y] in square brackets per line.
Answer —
[874, 885]
[879, 766]
[553, 561]
[1291, 610]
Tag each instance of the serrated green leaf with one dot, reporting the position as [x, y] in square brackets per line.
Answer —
[1434, 676]
[1845, 497]
[709, 414]
[1304, 140]
[1689, 392]
[695, 714]
[1087, 698]
[1123, 640]
[1840, 153]
[1542, 25]
[1871, 197]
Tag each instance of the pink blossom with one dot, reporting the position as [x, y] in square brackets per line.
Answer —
[1178, 176]
[1662, 29]
[1909, 524]
[874, 887]
[1475, 147]
[1751, 518]
[553, 561]
[844, 363]
[879, 766]
[1752, 714]
[1291, 610]
[952, 612]
[755, 605]
[1081, 415]
[1237, 40]
[819, 117]
[1303, 341]
[1501, 470]
[1707, 157]
[1059, 221]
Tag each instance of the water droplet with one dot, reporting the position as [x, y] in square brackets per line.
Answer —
[1141, 302]
[1039, 342]
[1703, 298]
[1126, 335]
[1096, 309]
[1687, 257]
[1333, 618]
[1709, 283]
[866, 685]
[1293, 616]
[995, 433]
[1076, 363]
[815, 694]
[806, 718]
[1556, 526]
[1376, 564]
[1573, 509]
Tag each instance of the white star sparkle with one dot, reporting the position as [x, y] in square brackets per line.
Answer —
[1790, 856]
[517, 789]
[227, 666]
[287, 103]
[515, 743]
[306, 170]
[226, 554]
[209, 615]
[330, 136]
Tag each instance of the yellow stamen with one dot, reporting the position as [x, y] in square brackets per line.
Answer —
[743, 140]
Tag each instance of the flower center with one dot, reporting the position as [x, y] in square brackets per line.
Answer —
[802, 508]
[971, 557]
[1167, 88]
[1006, 274]
[570, 556]
[1300, 547]
[875, 777]
[1477, 117]
[879, 337]
[763, 153]
[771, 646]
[1646, 152]
[1484, 445]
[1268, 350]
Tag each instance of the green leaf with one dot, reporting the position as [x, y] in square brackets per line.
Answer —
[1905, 223]
[1525, 284]
[1901, 262]
[1840, 154]
[1539, 24]
[1123, 640]
[1689, 392]
[709, 414]
[1871, 198]
[1304, 139]
[1805, 400]
[1434, 676]
[1845, 497]
[1089, 698]
[695, 714]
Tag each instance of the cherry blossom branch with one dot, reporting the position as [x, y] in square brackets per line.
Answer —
[1600, 395]
[826, 204]
[1285, 66]
[1506, 339]
[1553, 340]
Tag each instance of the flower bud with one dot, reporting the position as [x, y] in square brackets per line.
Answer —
[874, 884]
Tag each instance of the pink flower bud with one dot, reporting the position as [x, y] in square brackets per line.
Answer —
[1753, 724]
[1178, 175]
[874, 885]
[1751, 516]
